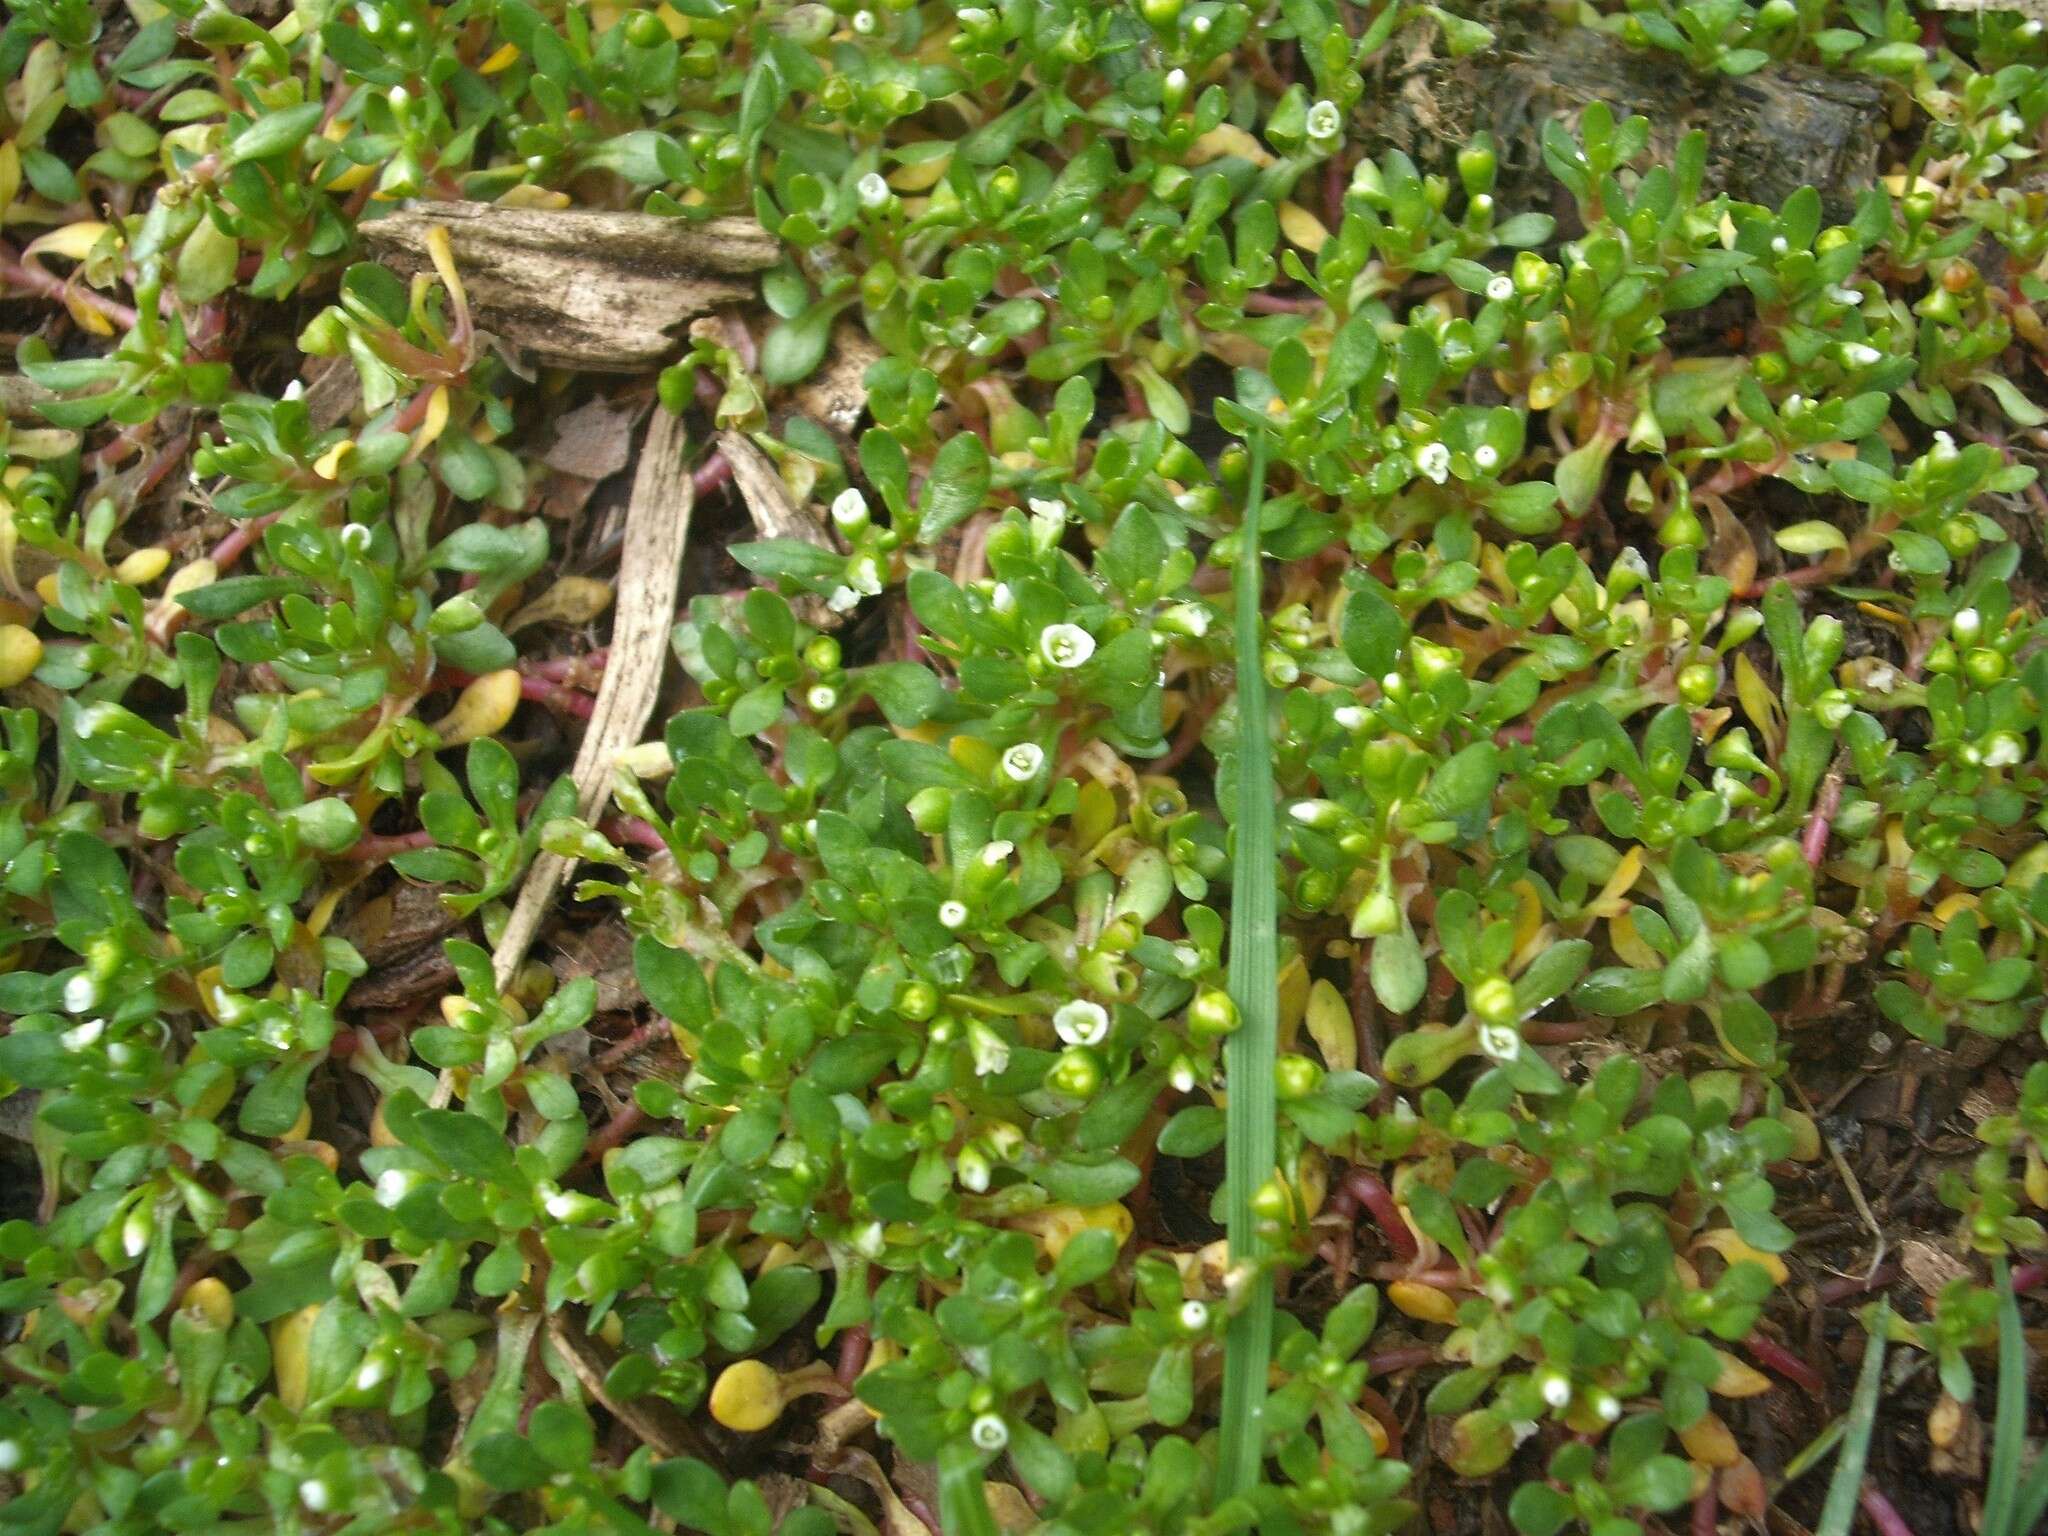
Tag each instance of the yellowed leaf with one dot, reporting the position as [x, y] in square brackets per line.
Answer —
[1302, 227]
[1330, 1026]
[572, 600]
[73, 242]
[1228, 139]
[1761, 705]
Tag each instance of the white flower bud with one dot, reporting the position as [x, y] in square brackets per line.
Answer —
[991, 1055]
[1081, 1022]
[850, 510]
[1022, 762]
[1324, 120]
[1500, 288]
[952, 914]
[1434, 460]
[315, 1495]
[843, 600]
[820, 697]
[80, 993]
[1194, 1316]
[1066, 645]
[989, 1433]
[1556, 1388]
[873, 191]
[1486, 456]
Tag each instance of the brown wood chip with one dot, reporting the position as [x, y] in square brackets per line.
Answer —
[581, 289]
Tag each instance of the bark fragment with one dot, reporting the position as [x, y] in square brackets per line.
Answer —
[603, 292]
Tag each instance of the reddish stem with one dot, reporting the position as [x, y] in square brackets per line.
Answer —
[567, 669]
[1383, 1411]
[47, 285]
[1373, 1194]
[1776, 1357]
[710, 475]
[231, 549]
[634, 832]
[376, 847]
[1389, 1362]
[1814, 841]
[614, 1131]
[1706, 1511]
[1840, 1289]
[1887, 1519]
[1280, 304]
[638, 1040]
[854, 1345]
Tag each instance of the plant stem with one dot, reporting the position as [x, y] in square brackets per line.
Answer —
[1248, 1057]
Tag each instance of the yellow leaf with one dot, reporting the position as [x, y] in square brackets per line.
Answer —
[443, 255]
[328, 465]
[506, 56]
[74, 242]
[1613, 898]
[1737, 1379]
[87, 318]
[1811, 538]
[1302, 227]
[1228, 139]
[1629, 945]
[1330, 1026]
[1293, 1002]
[435, 423]
[484, 708]
[1726, 1242]
[527, 195]
[10, 174]
[1709, 1442]
[919, 175]
[1424, 1303]
[571, 600]
[1761, 705]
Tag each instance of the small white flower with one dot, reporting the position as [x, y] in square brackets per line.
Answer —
[1176, 81]
[843, 600]
[1500, 288]
[1182, 1075]
[1081, 1022]
[536, 163]
[1066, 645]
[991, 1055]
[1350, 717]
[1631, 560]
[1022, 762]
[1194, 1315]
[1325, 121]
[821, 697]
[1861, 355]
[560, 1205]
[994, 853]
[1839, 294]
[869, 1241]
[1557, 1389]
[135, 1233]
[2030, 29]
[873, 191]
[2004, 750]
[989, 1433]
[1190, 619]
[1966, 626]
[373, 20]
[315, 1495]
[975, 16]
[355, 536]
[80, 993]
[1607, 1406]
[1483, 203]
[10, 1455]
[1778, 245]
[1046, 506]
[864, 23]
[296, 390]
[1486, 455]
[1944, 447]
[1002, 599]
[1881, 679]
[1434, 460]
[399, 97]
[1503, 1042]
[866, 576]
[952, 914]
[850, 509]
[972, 1168]
[1316, 813]
[372, 1372]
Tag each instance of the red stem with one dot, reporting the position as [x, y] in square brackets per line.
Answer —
[1776, 1357]
[854, 1345]
[376, 847]
[1372, 1193]
[1840, 1289]
[1390, 1361]
[1814, 842]
[1706, 1511]
[236, 544]
[710, 475]
[1888, 1520]
[47, 285]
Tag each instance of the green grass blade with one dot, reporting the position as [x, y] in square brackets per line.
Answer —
[1254, 984]
[2009, 1430]
[2030, 1504]
[1839, 1512]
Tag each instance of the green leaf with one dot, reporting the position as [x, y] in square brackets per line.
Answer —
[1398, 973]
[1844, 1488]
[274, 132]
[956, 488]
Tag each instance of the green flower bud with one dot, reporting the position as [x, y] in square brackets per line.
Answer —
[1077, 1074]
[1212, 1014]
[1493, 1000]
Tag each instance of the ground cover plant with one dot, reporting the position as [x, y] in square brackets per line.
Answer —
[1341, 828]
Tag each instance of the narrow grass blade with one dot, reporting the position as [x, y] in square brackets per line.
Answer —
[1248, 1058]
[1846, 1485]
[2009, 1430]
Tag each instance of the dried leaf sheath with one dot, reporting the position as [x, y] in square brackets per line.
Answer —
[657, 527]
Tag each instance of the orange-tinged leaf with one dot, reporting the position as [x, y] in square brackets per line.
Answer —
[1762, 707]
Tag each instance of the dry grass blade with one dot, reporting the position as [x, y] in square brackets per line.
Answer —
[776, 514]
[657, 527]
